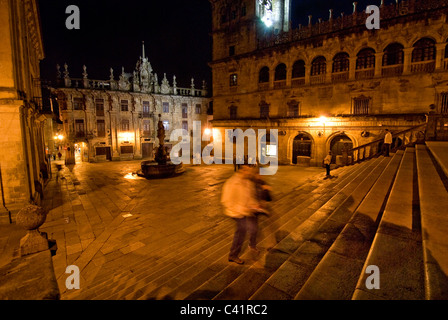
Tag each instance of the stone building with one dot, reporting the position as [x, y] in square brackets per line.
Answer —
[333, 84]
[23, 165]
[117, 119]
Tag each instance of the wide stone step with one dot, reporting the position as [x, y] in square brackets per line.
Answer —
[397, 249]
[433, 209]
[274, 257]
[293, 273]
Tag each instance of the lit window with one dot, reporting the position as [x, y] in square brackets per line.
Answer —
[198, 109]
[233, 80]
[124, 105]
[166, 125]
[125, 125]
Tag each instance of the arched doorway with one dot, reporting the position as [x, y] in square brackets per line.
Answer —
[301, 146]
[340, 145]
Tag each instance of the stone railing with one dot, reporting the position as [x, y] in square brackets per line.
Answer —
[365, 74]
[392, 71]
[333, 24]
[318, 79]
[423, 67]
[83, 83]
[297, 82]
[339, 76]
[400, 139]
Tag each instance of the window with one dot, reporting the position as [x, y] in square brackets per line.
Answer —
[341, 62]
[365, 59]
[124, 105]
[293, 110]
[444, 103]
[124, 125]
[393, 54]
[280, 72]
[264, 110]
[100, 151]
[127, 149]
[424, 50]
[185, 125]
[79, 128]
[184, 110]
[318, 66]
[166, 107]
[166, 125]
[243, 10]
[77, 104]
[145, 109]
[361, 105]
[99, 105]
[233, 80]
[298, 69]
[263, 75]
[233, 112]
[198, 109]
[101, 128]
[231, 51]
[146, 128]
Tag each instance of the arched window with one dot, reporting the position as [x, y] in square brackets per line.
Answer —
[318, 66]
[424, 50]
[341, 62]
[298, 69]
[263, 76]
[365, 59]
[280, 72]
[393, 54]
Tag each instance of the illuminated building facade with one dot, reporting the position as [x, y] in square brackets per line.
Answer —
[117, 119]
[333, 84]
[23, 164]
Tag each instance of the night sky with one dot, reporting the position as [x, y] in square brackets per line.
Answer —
[176, 34]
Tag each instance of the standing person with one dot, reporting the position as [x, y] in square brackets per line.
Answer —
[240, 202]
[327, 163]
[387, 142]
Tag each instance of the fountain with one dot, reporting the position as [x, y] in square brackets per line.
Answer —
[160, 167]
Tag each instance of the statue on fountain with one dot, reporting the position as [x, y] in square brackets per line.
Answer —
[161, 156]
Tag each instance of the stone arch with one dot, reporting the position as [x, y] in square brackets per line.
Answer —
[263, 74]
[338, 142]
[301, 144]
[280, 72]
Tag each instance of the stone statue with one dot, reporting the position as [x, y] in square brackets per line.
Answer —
[161, 155]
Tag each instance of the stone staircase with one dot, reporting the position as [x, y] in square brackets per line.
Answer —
[387, 212]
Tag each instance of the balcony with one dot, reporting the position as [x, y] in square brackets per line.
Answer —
[318, 79]
[263, 86]
[340, 76]
[298, 82]
[392, 71]
[423, 67]
[365, 74]
[280, 84]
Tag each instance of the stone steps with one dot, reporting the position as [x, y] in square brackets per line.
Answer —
[235, 286]
[160, 269]
[397, 247]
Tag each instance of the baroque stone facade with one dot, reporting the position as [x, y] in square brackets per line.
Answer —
[117, 119]
[331, 85]
[23, 165]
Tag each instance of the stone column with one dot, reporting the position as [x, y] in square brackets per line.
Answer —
[352, 69]
[407, 60]
[440, 56]
[378, 64]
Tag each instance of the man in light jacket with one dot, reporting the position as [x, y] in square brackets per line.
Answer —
[241, 203]
[387, 142]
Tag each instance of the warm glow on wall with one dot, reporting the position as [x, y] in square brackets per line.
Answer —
[126, 136]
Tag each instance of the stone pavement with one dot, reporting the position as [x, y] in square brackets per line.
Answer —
[104, 218]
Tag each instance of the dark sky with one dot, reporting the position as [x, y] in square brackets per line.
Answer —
[176, 35]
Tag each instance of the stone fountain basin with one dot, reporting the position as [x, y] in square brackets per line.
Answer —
[151, 169]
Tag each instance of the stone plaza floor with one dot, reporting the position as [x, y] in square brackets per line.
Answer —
[102, 214]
